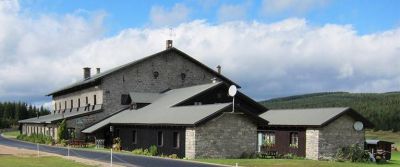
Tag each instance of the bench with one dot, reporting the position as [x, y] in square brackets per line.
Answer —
[77, 143]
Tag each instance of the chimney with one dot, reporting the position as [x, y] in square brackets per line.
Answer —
[169, 44]
[86, 73]
[98, 70]
[219, 69]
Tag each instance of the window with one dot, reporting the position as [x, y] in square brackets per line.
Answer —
[72, 103]
[269, 138]
[94, 100]
[175, 140]
[125, 99]
[294, 140]
[65, 104]
[79, 103]
[160, 138]
[134, 137]
[55, 106]
[59, 104]
[87, 100]
[183, 76]
[155, 74]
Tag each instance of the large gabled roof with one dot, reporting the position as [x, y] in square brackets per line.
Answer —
[95, 79]
[311, 117]
[164, 112]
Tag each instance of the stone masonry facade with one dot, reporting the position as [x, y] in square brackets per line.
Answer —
[230, 135]
[174, 71]
[330, 138]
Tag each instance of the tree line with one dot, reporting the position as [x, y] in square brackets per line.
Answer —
[11, 112]
[382, 109]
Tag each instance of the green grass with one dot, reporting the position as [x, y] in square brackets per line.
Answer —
[299, 163]
[13, 161]
[11, 134]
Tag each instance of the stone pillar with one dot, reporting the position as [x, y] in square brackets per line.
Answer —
[312, 142]
[190, 143]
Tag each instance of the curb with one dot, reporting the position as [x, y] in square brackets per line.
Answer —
[118, 153]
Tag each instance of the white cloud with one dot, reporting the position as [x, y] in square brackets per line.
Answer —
[287, 57]
[159, 16]
[271, 7]
[232, 12]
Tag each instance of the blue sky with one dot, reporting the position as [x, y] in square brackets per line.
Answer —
[272, 48]
[366, 16]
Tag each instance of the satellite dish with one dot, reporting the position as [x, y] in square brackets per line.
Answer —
[358, 126]
[232, 90]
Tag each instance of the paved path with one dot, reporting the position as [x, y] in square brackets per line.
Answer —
[120, 159]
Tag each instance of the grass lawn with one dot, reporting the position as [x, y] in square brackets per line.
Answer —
[299, 163]
[13, 161]
[11, 134]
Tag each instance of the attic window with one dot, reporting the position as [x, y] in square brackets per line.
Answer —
[155, 74]
[183, 76]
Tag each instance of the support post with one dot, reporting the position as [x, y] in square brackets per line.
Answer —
[111, 163]
[37, 146]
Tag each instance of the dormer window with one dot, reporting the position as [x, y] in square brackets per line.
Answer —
[183, 76]
[155, 74]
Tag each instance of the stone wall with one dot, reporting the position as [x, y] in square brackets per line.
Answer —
[338, 134]
[59, 101]
[174, 71]
[229, 135]
[322, 143]
[312, 140]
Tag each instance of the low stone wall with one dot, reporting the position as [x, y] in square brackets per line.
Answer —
[228, 136]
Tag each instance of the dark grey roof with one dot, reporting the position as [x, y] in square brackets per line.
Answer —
[309, 117]
[95, 78]
[161, 111]
[58, 116]
[140, 97]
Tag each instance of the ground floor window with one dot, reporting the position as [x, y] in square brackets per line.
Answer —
[71, 133]
[269, 139]
[134, 137]
[294, 140]
[160, 138]
[175, 139]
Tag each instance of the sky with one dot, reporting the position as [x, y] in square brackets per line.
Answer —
[272, 48]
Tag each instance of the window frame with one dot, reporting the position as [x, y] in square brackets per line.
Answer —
[160, 138]
[176, 141]
[134, 136]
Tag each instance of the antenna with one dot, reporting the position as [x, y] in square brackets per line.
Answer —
[232, 92]
[171, 33]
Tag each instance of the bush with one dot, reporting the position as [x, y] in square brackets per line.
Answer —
[138, 151]
[36, 138]
[62, 132]
[153, 150]
[173, 156]
[353, 153]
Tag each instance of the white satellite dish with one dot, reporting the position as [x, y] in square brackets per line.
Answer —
[232, 90]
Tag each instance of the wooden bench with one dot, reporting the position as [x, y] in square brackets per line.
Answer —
[77, 143]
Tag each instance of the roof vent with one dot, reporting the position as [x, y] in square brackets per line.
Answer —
[86, 73]
[219, 69]
[169, 44]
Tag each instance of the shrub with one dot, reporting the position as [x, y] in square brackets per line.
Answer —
[138, 151]
[36, 138]
[173, 156]
[62, 132]
[353, 153]
[153, 150]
